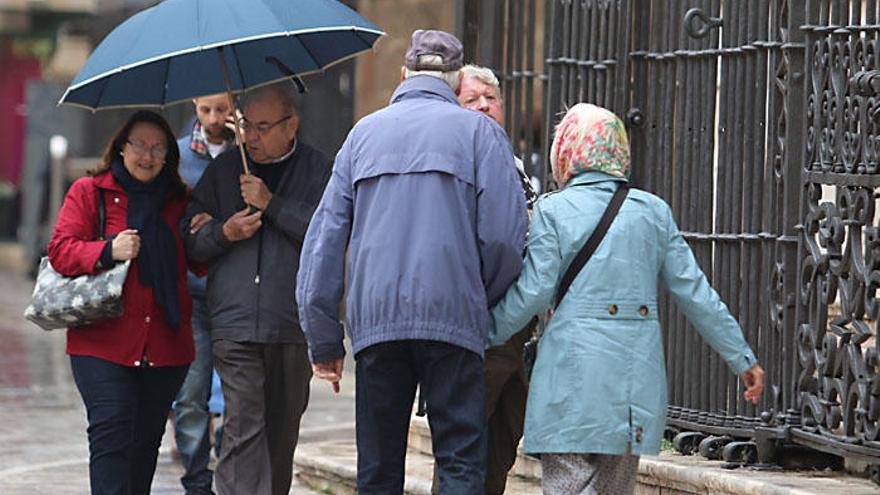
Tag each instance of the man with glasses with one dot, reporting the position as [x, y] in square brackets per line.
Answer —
[252, 243]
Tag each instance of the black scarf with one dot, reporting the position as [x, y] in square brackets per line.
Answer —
[157, 258]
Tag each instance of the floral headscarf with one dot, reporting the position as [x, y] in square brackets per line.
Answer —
[589, 139]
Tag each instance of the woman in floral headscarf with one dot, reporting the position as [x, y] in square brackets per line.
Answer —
[597, 398]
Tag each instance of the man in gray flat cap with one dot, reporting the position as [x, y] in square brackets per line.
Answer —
[424, 196]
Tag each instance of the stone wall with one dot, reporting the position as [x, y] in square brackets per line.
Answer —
[378, 73]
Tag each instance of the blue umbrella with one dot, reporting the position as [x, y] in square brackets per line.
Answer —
[181, 49]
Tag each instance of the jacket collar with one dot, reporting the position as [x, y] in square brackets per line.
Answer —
[593, 178]
[424, 87]
[105, 180]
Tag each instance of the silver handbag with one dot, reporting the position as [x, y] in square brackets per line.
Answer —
[61, 302]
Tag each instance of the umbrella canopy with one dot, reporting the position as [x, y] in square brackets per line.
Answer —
[172, 52]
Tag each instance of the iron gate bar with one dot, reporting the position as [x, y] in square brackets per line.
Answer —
[684, 182]
[753, 193]
[794, 50]
[657, 159]
[772, 219]
[597, 52]
[708, 101]
[735, 208]
[580, 54]
[515, 65]
[608, 76]
[725, 191]
[553, 87]
[529, 78]
[568, 78]
[508, 61]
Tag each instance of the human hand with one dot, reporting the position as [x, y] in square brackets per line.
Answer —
[753, 379]
[242, 225]
[330, 371]
[198, 222]
[126, 245]
[254, 191]
[230, 123]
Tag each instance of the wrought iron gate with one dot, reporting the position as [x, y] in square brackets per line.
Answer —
[757, 120]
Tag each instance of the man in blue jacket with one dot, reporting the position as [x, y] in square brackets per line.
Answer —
[424, 196]
[192, 419]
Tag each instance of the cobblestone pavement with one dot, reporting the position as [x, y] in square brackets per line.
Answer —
[43, 447]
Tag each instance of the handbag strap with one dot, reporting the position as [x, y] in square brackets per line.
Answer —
[102, 215]
[586, 252]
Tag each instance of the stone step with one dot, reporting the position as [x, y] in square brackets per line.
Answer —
[672, 473]
[331, 467]
[420, 439]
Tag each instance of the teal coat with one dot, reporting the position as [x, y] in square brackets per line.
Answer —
[599, 382]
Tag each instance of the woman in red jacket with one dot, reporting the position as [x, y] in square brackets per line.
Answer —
[129, 369]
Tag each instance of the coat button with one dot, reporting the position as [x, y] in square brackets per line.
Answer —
[612, 309]
[643, 311]
[137, 363]
[116, 200]
[147, 319]
[639, 434]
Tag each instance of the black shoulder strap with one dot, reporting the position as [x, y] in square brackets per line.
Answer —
[586, 252]
[102, 215]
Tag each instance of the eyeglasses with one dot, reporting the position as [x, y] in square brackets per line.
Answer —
[158, 152]
[263, 128]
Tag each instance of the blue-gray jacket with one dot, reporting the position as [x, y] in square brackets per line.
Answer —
[192, 166]
[599, 383]
[425, 197]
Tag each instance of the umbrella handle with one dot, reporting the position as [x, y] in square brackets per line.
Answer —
[238, 137]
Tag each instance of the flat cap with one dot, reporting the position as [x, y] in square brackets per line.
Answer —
[431, 42]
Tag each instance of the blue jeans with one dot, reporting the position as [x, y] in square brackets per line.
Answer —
[127, 409]
[192, 419]
[454, 388]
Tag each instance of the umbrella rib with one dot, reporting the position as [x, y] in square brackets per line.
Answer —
[165, 82]
[357, 35]
[101, 92]
[309, 51]
[238, 66]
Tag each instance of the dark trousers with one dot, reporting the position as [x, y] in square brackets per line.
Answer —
[451, 382]
[127, 409]
[192, 420]
[266, 390]
[506, 394]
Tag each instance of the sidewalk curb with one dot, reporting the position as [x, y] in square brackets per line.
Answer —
[340, 476]
[667, 475]
[331, 466]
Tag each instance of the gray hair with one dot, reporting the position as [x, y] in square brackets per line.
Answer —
[483, 74]
[451, 77]
[284, 91]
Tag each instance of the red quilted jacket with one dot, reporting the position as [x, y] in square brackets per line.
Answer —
[141, 332]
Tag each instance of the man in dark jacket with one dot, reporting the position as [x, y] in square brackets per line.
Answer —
[252, 245]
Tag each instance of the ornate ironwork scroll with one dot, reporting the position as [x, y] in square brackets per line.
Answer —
[838, 378]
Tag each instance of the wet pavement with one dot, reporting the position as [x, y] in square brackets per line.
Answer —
[43, 447]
